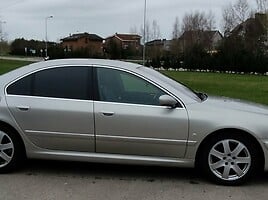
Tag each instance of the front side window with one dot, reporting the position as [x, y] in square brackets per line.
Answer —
[122, 87]
[61, 82]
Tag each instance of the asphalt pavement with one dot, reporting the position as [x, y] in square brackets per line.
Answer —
[30, 59]
[53, 180]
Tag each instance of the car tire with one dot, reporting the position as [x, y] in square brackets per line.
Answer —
[11, 151]
[230, 159]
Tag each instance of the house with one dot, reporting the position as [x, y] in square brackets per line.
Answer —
[208, 39]
[125, 41]
[253, 33]
[253, 28]
[120, 46]
[256, 24]
[158, 48]
[160, 44]
[83, 41]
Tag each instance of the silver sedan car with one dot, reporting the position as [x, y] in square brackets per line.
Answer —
[117, 112]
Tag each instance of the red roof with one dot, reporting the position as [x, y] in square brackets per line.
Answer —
[77, 36]
[126, 37]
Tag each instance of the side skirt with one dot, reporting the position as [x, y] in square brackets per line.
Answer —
[111, 158]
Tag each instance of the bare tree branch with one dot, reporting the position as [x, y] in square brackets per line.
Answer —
[198, 21]
[176, 29]
[152, 32]
[229, 18]
[155, 30]
[234, 14]
[242, 11]
[262, 6]
[133, 30]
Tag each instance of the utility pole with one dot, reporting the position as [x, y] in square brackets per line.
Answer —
[48, 17]
[144, 33]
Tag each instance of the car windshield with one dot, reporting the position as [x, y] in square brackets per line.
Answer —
[177, 85]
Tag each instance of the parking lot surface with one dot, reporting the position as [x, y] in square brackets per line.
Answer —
[53, 180]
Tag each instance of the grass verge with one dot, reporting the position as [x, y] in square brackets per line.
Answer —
[8, 65]
[248, 87]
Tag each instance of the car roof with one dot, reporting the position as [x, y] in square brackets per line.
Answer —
[76, 62]
[68, 62]
[22, 71]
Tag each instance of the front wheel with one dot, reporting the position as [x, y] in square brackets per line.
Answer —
[230, 160]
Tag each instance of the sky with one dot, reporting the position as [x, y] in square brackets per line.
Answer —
[26, 18]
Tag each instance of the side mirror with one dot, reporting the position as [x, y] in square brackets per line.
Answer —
[166, 100]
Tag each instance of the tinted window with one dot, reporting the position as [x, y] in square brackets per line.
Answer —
[61, 82]
[178, 86]
[21, 87]
[122, 87]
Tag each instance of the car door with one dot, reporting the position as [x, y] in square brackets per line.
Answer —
[129, 120]
[54, 108]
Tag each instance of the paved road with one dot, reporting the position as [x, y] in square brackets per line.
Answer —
[31, 59]
[46, 180]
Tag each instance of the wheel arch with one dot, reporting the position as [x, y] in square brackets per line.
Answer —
[228, 131]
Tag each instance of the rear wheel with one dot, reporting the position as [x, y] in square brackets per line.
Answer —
[230, 160]
[10, 151]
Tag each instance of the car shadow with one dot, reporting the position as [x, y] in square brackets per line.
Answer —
[102, 171]
[107, 171]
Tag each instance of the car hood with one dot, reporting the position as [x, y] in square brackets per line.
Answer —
[236, 104]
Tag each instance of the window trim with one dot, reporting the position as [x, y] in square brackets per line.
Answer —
[96, 88]
[90, 82]
[94, 85]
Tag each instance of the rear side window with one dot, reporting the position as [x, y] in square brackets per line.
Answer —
[70, 82]
[21, 87]
[61, 82]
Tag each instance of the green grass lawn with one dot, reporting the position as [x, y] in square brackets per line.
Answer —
[248, 87]
[8, 65]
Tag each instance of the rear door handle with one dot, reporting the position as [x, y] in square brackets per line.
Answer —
[23, 108]
[108, 114]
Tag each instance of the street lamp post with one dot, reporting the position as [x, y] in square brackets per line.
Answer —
[1, 34]
[1, 29]
[48, 17]
[144, 33]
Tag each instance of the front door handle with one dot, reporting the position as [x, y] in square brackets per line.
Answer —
[23, 108]
[108, 114]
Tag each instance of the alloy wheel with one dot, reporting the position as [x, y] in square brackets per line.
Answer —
[6, 149]
[229, 159]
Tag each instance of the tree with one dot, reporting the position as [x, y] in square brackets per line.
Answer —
[195, 57]
[262, 6]
[176, 29]
[113, 49]
[210, 21]
[196, 21]
[193, 25]
[175, 51]
[234, 14]
[152, 32]
[133, 30]
[155, 30]
[229, 20]
[147, 36]
[4, 47]
[242, 11]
